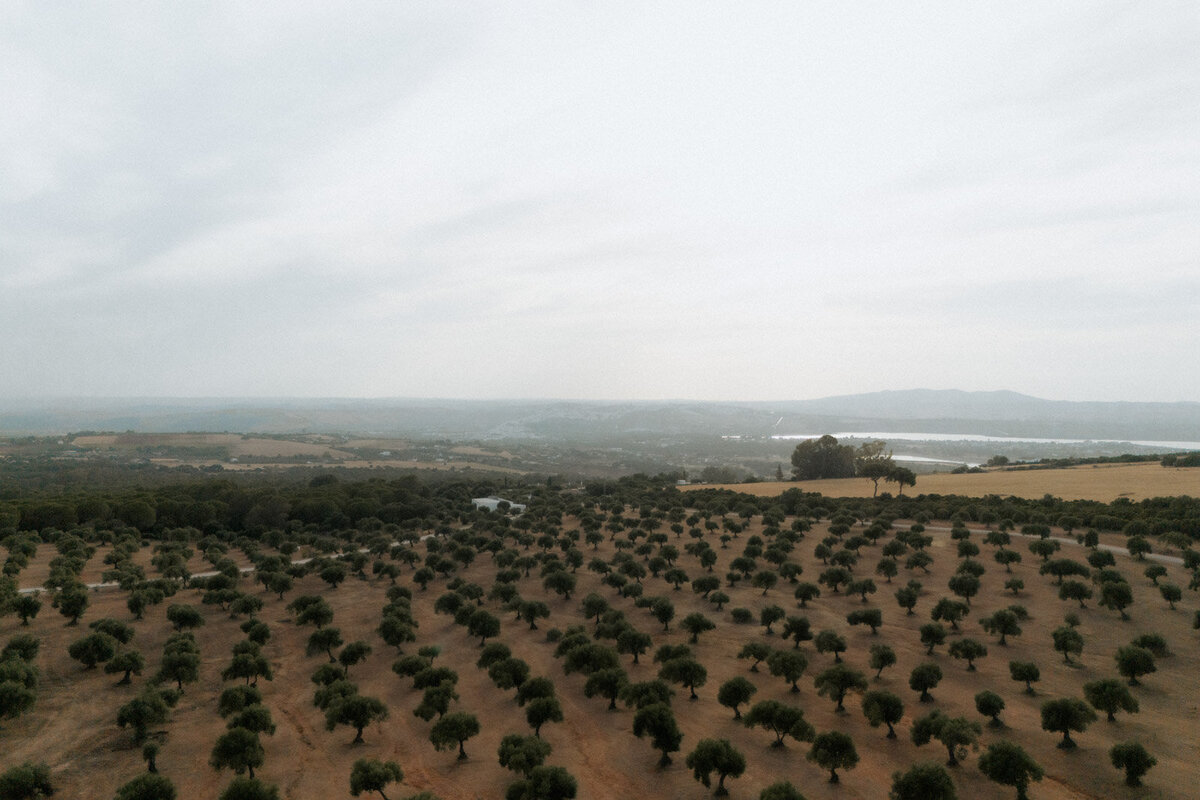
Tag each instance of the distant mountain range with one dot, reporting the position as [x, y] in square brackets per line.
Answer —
[999, 405]
[930, 411]
[1004, 413]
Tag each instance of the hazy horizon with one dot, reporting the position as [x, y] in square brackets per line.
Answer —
[17, 399]
[680, 201]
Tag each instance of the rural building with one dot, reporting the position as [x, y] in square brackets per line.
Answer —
[492, 503]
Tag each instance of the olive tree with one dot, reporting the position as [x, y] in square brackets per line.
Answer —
[883, 708]
[923, 782]
[837, 681]
[756, 652]
[735, 692]
[881, 657]
[1133, 662]
[522, 753]
[990, 704]
[1110, 696]
[454, 729]
[1009, 765]
[239, 750]
[828, 641]
[544, 783]
[1133, 758]
[540, 710]
[184, 617]
[780, 790]
[1003, 623]
[1026, 672]
[356, 711]
[26, 781]
[789, 665]
[833, 750]
[955, 733]
[142, 712]
[1064, 715]
[687, 672]
[696, 624]
[968, 650]
[923, 678]
[146, 786]
[1116, 595]
[1067, 641]
[373, 775]
[249, 789]
[715, 756]
[128, 662]
[780, 719]
[657, 721]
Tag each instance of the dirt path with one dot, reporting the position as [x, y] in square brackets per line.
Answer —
[72, 726]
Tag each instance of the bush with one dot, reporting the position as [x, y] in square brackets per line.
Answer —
[1133, 758]
[147, 786]
[1153, 642]
[26, 780]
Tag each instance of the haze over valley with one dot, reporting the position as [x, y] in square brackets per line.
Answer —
[569, 401]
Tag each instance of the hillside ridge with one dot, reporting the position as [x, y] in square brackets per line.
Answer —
[990, 413]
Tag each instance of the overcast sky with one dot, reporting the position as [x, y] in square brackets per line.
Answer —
[730, 201]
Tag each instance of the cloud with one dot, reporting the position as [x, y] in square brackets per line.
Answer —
[703, 200]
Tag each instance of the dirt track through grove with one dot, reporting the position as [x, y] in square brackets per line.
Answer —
[72, 726]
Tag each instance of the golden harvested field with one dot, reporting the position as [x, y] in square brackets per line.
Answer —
[433, 465]
[72, 726]
[1103, 482]
[350, 463]
[251, 447]
[238, 445]
[380, 444]
[479, 451]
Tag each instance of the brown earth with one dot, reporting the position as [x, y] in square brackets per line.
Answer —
[380, 444]
[351, 463]
[1103, 482]
[315, 448]
[239, 445]
[479, 451]
[72, 727]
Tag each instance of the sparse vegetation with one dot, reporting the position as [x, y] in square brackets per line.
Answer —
[466, 609]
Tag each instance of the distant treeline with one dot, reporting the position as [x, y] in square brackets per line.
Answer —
[1169, 460]
[329, 501]
[1157, 516]
[20, 475]
[196, 452]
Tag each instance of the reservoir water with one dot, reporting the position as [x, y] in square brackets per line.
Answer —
[974, 437]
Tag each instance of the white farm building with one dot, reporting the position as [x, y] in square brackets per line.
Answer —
[493, 503]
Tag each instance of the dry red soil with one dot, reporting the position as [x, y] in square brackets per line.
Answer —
[1103, 482]
[73, 724]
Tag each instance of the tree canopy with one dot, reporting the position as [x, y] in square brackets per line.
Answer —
[817, 459]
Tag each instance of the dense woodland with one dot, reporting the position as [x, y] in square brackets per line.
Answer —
[260, 504]
[819, 625]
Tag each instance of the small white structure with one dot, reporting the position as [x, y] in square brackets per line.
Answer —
[493, 503]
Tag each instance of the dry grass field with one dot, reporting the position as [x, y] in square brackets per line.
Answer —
[1103, 482]
[354, 463]
[72, 726]
[316, 448]
[479, 451]
[239, 445]
[393, 445]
